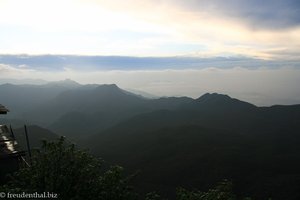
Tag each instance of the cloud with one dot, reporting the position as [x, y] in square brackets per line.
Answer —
[256, 29]
[217, 27]
[267, 14]
[7, 70]
[57, 63]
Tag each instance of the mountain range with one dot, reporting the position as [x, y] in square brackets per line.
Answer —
[172, 141]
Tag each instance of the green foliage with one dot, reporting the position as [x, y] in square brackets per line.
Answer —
[60, 168]
[223, 191]
[152, 196]
[72, 174]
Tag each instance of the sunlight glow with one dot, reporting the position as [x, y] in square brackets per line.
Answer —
[136, 28]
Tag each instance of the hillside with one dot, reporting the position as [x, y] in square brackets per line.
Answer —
[59, 106]
[172, 141]
[205, 141]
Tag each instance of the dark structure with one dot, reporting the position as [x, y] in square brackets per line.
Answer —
[10, 155]
[3, 110]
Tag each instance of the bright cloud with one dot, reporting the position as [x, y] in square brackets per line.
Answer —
[9, 71]
[268, 29]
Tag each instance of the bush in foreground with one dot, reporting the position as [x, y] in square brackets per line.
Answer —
[74, 174]
[71, 173]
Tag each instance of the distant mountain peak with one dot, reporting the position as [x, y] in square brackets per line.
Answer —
[215, 99]
[214, 96]
[109, 86]
[112, 85]
[109, 89]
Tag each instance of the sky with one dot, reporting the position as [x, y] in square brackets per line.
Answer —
[247, 48]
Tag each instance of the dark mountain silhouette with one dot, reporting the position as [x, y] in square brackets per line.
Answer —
[221, 101]
[62, 105]
[208, 139]
[172, 140]
[101, 108]
[24, 98]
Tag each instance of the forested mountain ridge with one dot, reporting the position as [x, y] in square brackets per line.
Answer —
[172, 140]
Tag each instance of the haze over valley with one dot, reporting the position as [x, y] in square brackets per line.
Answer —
[262, 82]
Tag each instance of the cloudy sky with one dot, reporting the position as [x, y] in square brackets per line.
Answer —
[247, 48]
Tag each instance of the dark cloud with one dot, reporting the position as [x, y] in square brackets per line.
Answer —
[258, 14]
[52, 63]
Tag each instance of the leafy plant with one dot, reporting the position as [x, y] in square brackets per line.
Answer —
[223, 191]
[58, 167]
[73, 174]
